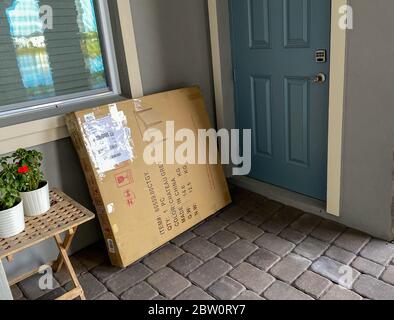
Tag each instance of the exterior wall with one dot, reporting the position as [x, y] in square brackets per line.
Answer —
[168, 60]
[173, 46]
[369, 113]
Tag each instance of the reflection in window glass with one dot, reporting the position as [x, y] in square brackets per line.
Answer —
[41, 62]
[90, 43]
[27, 33]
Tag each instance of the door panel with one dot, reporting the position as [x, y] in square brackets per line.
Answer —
[261, 104]
[296, 22]
[274, 44]
[259, 27]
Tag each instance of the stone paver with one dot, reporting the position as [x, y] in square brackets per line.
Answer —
[368, 267]
[162, 257]
[128, 278]
[92, 256]
[168, 282]
[252, 278]
[105, 271]
[224, 239]
[53, 295]
[201, 248]
[238, 252]
[378, 251]
[280, 220]
[352, 240]
[141, 291]
[306, 223]
[282, 291]
[232, 214]
[263, 259]
[290, 268]
[257, 199]
[313, 284]
[194, 293]
[31, 287]
[339, 293]
[275, 244]
[335, 271]
[226, 289]
[245, 230]
[17, 294]
[327, 231]
[257, 216]
[248, 295]
[64, 277]
[340, 255]
[185, 264]
[311, 248]
[183, 238]
[374, 289]
[251, 250]
[292, 235]
[268, 209]
[108, 296]
[388, 275]
[209, 228]
[209, 272]
[251, 202]
[91, 286]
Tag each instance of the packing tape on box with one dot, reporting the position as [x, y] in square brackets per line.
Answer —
[108, 140]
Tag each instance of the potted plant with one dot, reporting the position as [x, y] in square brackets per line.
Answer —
[34, 190]
[12, 219]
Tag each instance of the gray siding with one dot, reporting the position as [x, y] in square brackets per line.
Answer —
[369, 119]
[174, 51]
[174, 46]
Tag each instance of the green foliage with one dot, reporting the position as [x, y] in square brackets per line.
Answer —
[20, 172]
[29, 174]
[9, 195]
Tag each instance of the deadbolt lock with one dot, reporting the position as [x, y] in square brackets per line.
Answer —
[320, 78]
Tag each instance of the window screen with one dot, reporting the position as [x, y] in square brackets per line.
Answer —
[48, 48]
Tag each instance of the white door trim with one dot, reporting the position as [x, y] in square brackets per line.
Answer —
[224, 88]
[38, 132]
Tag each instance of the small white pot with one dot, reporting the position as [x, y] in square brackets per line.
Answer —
[12, 221]
[36, 202]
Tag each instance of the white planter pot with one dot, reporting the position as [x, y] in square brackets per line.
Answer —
[36, 202]
[12, 221]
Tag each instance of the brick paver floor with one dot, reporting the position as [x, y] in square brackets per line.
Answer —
[254, 249]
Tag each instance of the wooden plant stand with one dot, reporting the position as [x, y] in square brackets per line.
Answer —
[64, 216]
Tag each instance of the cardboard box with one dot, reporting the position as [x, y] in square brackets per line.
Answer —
[141, 206]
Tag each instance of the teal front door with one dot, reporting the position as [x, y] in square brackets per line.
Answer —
[281, 73]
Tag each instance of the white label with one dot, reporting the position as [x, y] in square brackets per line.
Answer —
[111, 247]
[110, 208]
[90, 117]
[108, 142]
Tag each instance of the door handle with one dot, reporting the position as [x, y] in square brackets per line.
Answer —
[320, 78]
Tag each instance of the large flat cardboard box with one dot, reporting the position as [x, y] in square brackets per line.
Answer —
[142, 206]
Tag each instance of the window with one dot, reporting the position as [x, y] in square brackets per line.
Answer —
[53, 51]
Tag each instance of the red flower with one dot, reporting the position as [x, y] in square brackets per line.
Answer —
[23, 170]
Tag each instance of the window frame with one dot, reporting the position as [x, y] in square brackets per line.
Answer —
[47, 107]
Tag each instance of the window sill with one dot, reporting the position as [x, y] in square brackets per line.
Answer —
[33, 133]
[41, 131]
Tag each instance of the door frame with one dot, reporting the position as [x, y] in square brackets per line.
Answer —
[222, 65]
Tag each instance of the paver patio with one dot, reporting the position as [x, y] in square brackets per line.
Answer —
[254, 249]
